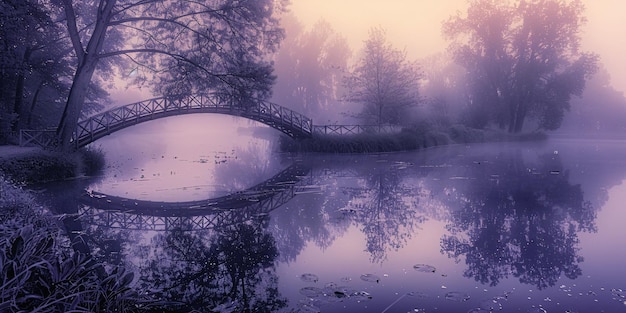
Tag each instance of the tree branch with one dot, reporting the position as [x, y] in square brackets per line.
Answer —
[221, 77]
[70, 15]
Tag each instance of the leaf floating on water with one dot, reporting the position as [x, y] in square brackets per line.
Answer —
[340, 294]
[537, 310]
[618, 294]
[424, 268]
[370, 278]
[457, 296]
[361, 295]
[311, 292]
[309, 278]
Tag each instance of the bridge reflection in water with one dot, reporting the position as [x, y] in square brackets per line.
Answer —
[119, 212]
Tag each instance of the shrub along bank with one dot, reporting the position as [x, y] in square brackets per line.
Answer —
[44, 166]
[405, 140]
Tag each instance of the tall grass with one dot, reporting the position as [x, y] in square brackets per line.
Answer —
[39, 272]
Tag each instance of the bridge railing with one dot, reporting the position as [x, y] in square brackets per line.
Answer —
[37, 137]
[286, 116]
[284, 119]
[355, 129]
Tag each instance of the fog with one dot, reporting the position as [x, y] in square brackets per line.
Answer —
[381, 156]
[416, 26]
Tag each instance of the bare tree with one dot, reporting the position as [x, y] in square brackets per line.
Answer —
[383, 80]
[185, 46]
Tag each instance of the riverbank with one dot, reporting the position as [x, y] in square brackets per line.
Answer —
[405, 140]
[31, 165]
[40, 271]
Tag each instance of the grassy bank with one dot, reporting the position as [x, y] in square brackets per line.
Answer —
[40, 272]
[405, 140]
[40, 166]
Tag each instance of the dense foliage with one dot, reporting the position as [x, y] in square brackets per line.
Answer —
[40, 272]
[522, 59]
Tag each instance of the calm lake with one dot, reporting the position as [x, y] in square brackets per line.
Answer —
[221, 223]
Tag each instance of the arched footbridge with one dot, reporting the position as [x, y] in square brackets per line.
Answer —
[291, 123]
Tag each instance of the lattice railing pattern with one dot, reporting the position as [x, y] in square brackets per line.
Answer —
[41, 138]
[213, 219]
[354, 129]
[286, 120]
[116, 212]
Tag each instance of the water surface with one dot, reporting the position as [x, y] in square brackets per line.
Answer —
[517, 227]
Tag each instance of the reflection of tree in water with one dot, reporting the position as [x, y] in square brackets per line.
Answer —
[383, 205]
[242, 168]
[359, 191]
[309, 217]
[521, 221]
[232, 268]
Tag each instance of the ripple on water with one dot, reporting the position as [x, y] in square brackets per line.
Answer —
[311, 292]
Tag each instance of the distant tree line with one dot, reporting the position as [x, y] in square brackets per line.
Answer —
[513, 65]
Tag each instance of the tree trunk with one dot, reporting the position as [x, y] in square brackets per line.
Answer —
[87, 61]
[521, 116]
[19, 93]
[513, 109]
[19, 100]
[75, 102]
[33, 104]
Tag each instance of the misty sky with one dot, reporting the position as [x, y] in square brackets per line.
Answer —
[416, 25]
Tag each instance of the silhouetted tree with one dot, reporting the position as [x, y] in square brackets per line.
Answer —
[36, 65]
[188, 46]
[383, 81]
[523, 60]
[309, 66]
